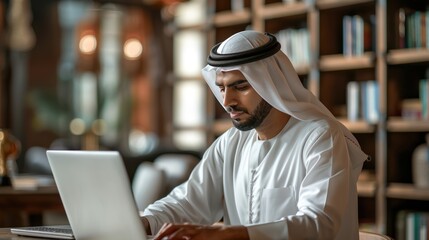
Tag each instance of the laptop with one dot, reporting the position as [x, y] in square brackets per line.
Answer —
[97, 197]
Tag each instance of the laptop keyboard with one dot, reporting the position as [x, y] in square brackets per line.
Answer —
[52, 229]
[57, 229]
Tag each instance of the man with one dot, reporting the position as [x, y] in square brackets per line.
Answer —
[287, 170]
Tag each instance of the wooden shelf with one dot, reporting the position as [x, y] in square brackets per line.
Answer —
[327, 4]
[340, 62]
[231, 18]
[366, 188]
[277, 10]
[408, 55]
[183, 27]
[366, 185]
[359, 126]
[397, 124]
[406, 191]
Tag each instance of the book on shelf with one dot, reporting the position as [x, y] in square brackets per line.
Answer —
[237, 5]
[424, 29]
[401, 28]
[412, 225]
[413, 28]
[424, 98]
[357, 29]
[363, 101]
[411, 109]
[357, 35]
[369, 36]
[417, 108]
[295, 43]
[347, 36]
[370, 107]
[353, 100]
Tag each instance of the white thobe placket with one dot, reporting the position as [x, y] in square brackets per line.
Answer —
[258, 152]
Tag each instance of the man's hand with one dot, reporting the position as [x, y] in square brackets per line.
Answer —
[198, 232]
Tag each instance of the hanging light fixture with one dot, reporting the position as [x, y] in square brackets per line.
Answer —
[134, 41]
[88, 44]
[133, 49]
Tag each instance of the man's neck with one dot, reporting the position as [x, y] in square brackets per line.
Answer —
[272, 125]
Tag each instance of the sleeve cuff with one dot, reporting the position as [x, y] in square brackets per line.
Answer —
[153, 224]
[265, 231]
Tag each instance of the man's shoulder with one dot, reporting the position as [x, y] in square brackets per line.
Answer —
[318, 125]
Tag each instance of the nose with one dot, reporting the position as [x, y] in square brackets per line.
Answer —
[229, 98]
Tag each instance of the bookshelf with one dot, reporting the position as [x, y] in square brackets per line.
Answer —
[387, 188]
[407, 191]
[406, 65]
[338, 62]
[404, 56]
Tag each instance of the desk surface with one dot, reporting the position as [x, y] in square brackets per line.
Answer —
[26, 207]
[5, 234]
[30, 200]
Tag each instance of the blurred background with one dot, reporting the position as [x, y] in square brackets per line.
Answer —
[126, 75]
[80, 74]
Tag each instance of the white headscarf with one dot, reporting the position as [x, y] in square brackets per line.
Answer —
[276, 81]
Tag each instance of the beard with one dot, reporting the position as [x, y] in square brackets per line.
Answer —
[255, 119]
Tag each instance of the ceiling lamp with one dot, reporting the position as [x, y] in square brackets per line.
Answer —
[88, 44]
[133, 49]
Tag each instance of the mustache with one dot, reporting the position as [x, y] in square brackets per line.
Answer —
[235, 108]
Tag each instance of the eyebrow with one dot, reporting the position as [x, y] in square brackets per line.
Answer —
[238, 82]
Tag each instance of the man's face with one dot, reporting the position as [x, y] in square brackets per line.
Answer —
[246, 108]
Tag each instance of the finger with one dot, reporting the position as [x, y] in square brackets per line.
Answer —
[184, 233]
[176, 231]
[166, 230]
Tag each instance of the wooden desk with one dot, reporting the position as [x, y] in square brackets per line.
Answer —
[26, 207]
[5, 234]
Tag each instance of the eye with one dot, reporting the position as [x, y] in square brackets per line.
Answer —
[242, 87]
[222, 89]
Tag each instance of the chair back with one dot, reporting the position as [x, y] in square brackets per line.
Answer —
[177, 167]
[153, 181]
[363, 235]
[148, 184]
